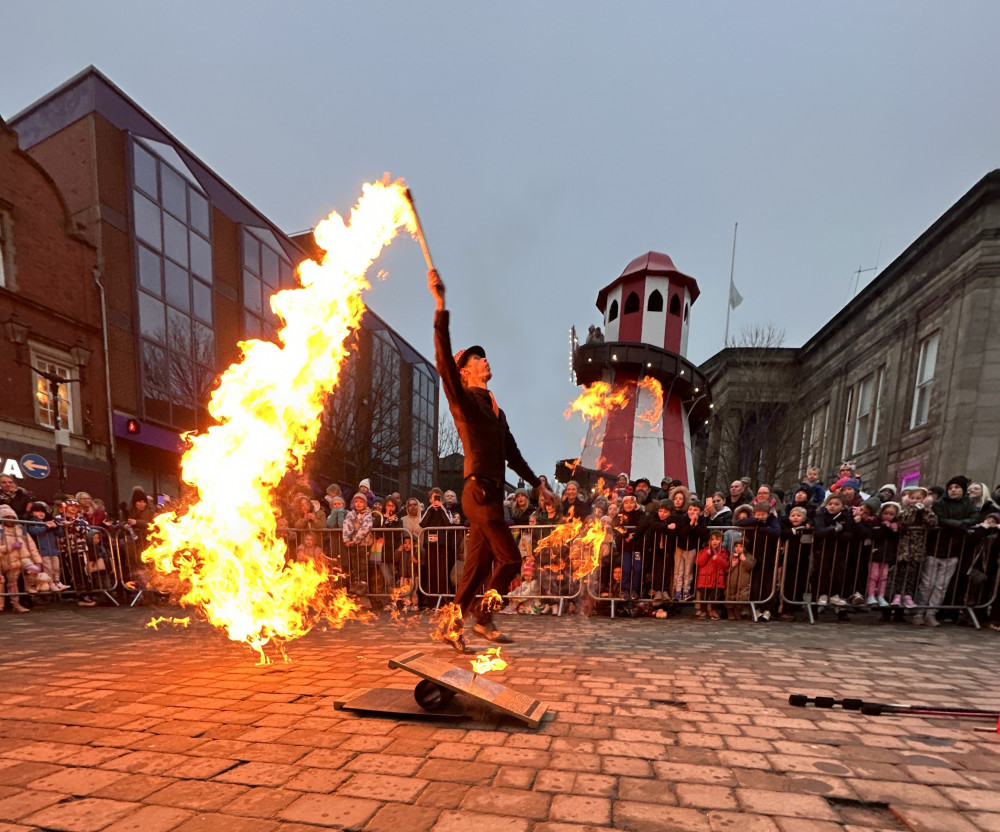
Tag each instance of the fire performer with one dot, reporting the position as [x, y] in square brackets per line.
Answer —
[491, 556]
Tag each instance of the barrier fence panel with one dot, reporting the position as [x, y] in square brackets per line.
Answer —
[923, 570]
[55, 557]
[671, 569]
[381, 566]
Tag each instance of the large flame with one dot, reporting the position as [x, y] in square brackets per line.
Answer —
[654, 416]
[490, 660]
[597, 401]
[222, 552]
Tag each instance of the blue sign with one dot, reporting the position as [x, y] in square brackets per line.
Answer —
[35, 466]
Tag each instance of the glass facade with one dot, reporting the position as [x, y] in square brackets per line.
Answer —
[266, 269]
[173, 246]
[424, 442]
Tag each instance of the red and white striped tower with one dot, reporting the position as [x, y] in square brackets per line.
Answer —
[646, 315]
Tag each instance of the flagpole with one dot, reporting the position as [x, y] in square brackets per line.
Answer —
[729, 297]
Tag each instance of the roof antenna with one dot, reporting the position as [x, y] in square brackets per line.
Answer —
[860, 271]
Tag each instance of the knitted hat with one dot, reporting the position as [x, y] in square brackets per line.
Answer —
[7, 511]
[852, 483]
[888, 503]
[960, 481]
[367, 483]
[38, 505]
[357, 496]
[911, 488]
[889, 487]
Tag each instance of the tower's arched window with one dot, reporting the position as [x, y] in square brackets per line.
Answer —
[687, 308]
[613, 311]
[655, 302]
[631, 304]
[675, 305]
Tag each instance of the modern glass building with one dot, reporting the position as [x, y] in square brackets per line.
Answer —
[189, 266]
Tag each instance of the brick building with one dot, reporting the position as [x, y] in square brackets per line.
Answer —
[904, 380]
[50, 313]
[188, 266]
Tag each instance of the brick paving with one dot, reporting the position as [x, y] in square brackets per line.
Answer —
[108, 725]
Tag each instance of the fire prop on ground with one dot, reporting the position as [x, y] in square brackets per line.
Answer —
[221, 552]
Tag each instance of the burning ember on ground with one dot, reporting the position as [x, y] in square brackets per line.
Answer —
[155, 623]
[221, 552]
[490, 660]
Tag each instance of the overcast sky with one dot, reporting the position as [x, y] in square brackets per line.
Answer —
[547, 144]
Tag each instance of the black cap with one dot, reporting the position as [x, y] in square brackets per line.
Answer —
[462, 356]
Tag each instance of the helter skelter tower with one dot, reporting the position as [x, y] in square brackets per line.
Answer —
[646, 313]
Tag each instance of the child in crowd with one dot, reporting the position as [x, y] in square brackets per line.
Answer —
[916, 520]
[626, 524]
[358, 538]
[885, 544]
[18, 556]
[835, 530]
[761, 537]
[797, 535]
[338, 511]
[43, 530]
[99, 567]
[659, 545]
[713, 562]
[309, 552]
[74, 532]
[557, 582]
[738, 578]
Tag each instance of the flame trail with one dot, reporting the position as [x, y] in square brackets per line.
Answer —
[654, 416]
[597, 401]
[222, 552]
[490, 660]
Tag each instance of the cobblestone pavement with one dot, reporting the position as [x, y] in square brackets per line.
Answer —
[108, 725]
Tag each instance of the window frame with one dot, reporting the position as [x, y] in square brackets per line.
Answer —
[923, 386]
[46, 358]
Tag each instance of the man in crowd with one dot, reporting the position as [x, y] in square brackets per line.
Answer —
[491, 554]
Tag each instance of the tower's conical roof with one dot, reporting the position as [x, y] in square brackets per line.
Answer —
[652, 263]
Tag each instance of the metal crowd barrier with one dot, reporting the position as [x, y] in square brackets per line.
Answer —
[382, 568]
[545, 577]
[53, 559]
[666, 569]
[957, 572]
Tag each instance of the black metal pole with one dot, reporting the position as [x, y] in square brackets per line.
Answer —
[57, 420]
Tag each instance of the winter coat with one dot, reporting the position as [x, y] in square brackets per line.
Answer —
[18, 499]
[628, 522]
[357, 528]
[914, 525]
[955, 518]
[45, 538]
[17, 548]
[712, 566]
[760, 537]
[738, 577]
[885, 543]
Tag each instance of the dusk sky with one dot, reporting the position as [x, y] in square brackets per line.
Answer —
[548, 144]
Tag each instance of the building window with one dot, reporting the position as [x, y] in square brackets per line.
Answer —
[631, 304]
[384, 407]
[813, 438]
[424, 433]
[613, 311]
[266, 269]
[866, 394]
[847, 423]
[45, 405]
[173, 260]
[675, 305]
[5, 247]
[926, 365]
[655, 302]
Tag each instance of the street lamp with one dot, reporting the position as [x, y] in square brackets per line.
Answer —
[17, 333]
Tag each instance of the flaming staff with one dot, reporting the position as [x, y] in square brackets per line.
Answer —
[222, 550]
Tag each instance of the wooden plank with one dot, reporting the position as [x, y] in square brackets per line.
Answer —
[504, 699]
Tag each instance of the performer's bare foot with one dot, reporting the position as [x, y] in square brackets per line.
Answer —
[488, 632]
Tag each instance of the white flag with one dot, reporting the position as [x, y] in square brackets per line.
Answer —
[735, 298]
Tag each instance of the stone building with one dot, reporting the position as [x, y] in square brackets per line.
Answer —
[188, 266]
[904, 381]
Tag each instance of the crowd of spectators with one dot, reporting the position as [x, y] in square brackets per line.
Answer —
[662, 550]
